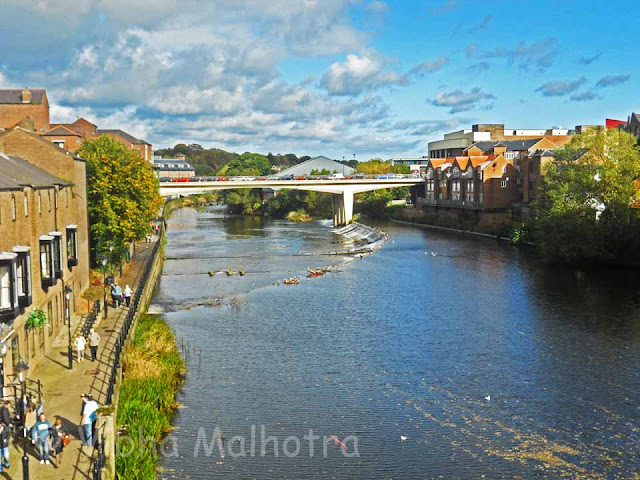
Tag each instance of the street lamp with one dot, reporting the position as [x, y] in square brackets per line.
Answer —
[104, 282]
[68, 291]
[21, 368]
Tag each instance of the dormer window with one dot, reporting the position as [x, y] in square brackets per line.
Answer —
[23, 275]
[46, 261]
[57, 254]
[72, 246]
[9, 308]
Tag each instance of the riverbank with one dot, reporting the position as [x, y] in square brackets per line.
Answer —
[154, 373]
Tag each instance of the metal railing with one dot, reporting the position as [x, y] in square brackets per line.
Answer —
[100, 461]
[90, 320]
[126, 326]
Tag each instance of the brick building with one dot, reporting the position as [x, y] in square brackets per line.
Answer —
[26, 108]
[29, 109]
[495, 179]
[70, 136]
[44, 245]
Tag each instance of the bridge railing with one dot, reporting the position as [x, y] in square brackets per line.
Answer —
[271, 178]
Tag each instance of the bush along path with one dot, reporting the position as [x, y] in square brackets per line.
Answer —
[154, 371]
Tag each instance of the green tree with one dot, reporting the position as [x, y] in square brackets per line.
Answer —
[122, 194]
[324, 171]
[589, 200]
[248, 163]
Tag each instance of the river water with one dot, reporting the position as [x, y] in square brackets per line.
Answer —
[438, 356]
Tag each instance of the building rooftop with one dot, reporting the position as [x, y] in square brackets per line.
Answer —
[61, 131]
[123, 134]
[16, 173]
[14, 96]
[512, 145]
[317, 163]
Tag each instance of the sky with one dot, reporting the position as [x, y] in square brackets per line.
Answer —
[323, 77]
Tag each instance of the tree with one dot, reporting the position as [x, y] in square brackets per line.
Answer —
[590, 198]
[324, 171]
[378, 166]
[122, 194]
[247, 164]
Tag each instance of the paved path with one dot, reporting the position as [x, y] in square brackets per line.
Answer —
[62, 388]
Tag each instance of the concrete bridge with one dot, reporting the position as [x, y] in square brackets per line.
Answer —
[343, 190]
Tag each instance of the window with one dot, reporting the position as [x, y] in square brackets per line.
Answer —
[39, 203]
[59, 143]
[13, 207]
[504, 169]
[72, 246]
[25, 200]
[8, 289]
[55, 199]
[23, 275]
[46, 261]
[57, 254]
[66, 197]
[49, 199]
[503, 183]
[470, 185]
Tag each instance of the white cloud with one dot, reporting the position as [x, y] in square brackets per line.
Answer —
[461, 101]
[561, 88]
[367, 72]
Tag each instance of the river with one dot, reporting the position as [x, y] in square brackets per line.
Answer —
[438, 356]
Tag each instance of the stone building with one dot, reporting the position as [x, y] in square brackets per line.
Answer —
[27, 108]
[44, 244]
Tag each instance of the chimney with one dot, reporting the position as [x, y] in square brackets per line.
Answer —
[26, 95]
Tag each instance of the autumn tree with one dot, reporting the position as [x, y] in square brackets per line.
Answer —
[122, 194]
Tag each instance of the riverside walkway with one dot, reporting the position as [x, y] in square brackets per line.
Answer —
[62, 388]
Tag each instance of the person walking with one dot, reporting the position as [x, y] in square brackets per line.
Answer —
[94, 342]
[59, 440]
[118, 295]
[5, 436]
[89, 416]
[115, 298]
[81, 345]
[5, 414]
[40, 437]
[127, 295]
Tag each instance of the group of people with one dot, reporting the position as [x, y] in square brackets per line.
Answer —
[120, 296]
[49, 439]
[81, 344]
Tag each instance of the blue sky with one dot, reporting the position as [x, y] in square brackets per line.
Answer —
[333, 77]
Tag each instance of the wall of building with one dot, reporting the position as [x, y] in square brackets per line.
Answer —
[71, 143]
[12, 114]
[44, 217]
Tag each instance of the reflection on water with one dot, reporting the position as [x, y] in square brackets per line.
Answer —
[478, 360]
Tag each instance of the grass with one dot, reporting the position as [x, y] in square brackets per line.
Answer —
[154, 371]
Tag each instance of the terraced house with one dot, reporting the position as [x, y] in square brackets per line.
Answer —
[491, 180]
[44, 248]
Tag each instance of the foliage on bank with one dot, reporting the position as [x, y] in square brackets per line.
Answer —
[122, 195]
[590, 200]
[154, 371]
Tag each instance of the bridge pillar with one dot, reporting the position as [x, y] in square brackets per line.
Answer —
[342, 206]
